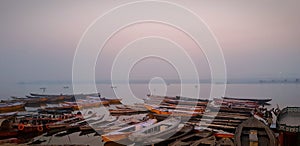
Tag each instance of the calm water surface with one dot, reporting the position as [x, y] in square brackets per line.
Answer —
[282, 94]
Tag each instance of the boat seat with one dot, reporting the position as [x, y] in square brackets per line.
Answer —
[253, 139]
[262, 133]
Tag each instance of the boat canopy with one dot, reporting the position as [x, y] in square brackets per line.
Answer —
[289, 120]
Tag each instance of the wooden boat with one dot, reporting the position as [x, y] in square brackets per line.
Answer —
[191, 138]
[39, 118]
[86, 121]
[122, 111]
[136, 107]
[55, 99]
[156, 132]
[219, 126]
[18, 98]
[254, 132]
[75, 127]
[86, 132]
[52, 95]
[15, 141]
[64, 123]
[110, 100]
[117, 125]
[80, 104]
[175, 112]
[47, 98]
[260, 101]
[37, 95]
[123, 133]
[208, 141]
[109, 119]
[103, 121]
[177, 98]
[236, 103]
[43, 111]
[30, 101]
[183, 130]
[106, 128]
[11, 107]
[225, 142]
[7, 115]
[28, 128]
[227, 115]
[63, 107]
[183, 107]
[223, 134]
[184, 102]
[231, 109]
[26, 125]
[6, 130]
[216, 121]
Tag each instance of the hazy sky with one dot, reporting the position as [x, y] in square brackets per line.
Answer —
[38, 39]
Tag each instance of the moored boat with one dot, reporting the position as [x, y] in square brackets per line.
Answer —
[80, 104]
[208, 141]
[231, 109]
[174, 112]
[182, 130]
[103, 121]
[225, 142]
[64, 123]
[191, 138]
[109, 100]
[11, 107]
[123, 133]
[258, 100]
[14, 141]
[156, 132]
[76, 126]
[123, 111]
[177, 98]
[235, 103]
[136, 107]
[185, 102]
[254, 132]
[51, 95]
[6, 130]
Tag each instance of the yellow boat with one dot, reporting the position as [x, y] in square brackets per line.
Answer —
[174, 112]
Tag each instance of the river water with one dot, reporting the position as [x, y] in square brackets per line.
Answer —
[282, 94]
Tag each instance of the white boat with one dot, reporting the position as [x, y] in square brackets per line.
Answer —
[124, 132]
[156, 132]
[103, 121]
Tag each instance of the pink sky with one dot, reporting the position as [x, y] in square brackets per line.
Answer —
[38, 38]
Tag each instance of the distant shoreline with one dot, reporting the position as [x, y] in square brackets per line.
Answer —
[170, 81]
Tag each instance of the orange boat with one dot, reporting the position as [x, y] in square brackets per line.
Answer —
[86, 104]
[163, 111]
[11, 107]
[110, 100]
